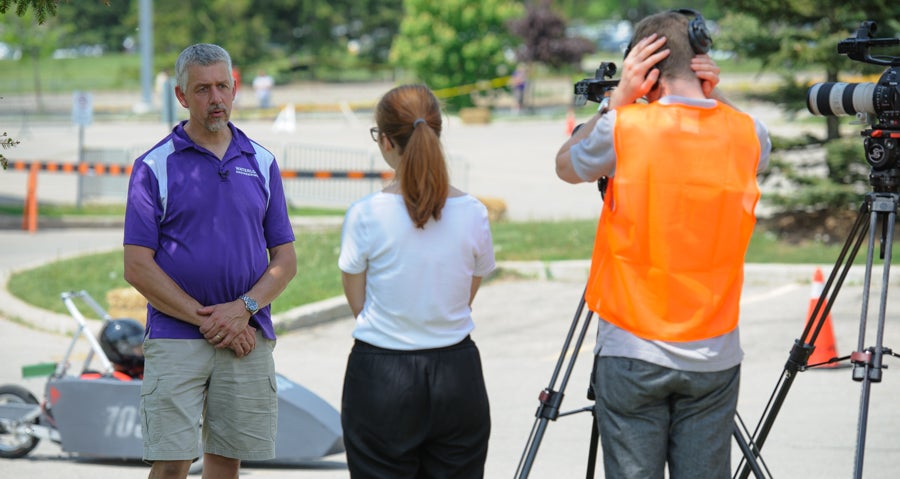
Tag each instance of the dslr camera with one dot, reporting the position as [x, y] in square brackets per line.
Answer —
[877, 104]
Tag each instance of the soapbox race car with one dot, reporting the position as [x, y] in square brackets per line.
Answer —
[94, 411]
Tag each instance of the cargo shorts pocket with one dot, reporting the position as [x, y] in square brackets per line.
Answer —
[150, 410]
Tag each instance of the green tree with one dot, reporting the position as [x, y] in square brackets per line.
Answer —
[319, 33]
[236, 25]
[798, 39]
[370, 24]
[36, 40]
[42, 8]
[301, 27]
[544, 39]
[542, 32]
[455, 43]
[791, 35]
[632, 10]
[97, 23]
[6, 142]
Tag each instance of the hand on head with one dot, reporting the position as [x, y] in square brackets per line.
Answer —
[707, 72]
[639, 74]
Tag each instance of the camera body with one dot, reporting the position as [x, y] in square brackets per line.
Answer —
[595, 89]
[875, 103]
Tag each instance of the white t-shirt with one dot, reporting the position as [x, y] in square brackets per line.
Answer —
[418, 281]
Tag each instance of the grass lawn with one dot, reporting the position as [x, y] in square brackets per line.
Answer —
[319, 277]
[110, 72]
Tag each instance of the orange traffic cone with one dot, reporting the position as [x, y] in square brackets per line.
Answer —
[570, 122]
[825, 345]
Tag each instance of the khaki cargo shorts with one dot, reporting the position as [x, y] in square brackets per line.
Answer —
[187, 382]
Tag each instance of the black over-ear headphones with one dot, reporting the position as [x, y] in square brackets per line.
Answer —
[698, 33]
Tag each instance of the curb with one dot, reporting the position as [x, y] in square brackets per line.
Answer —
[571, 270]
[21, 312]
[337, 308]
[312, 314]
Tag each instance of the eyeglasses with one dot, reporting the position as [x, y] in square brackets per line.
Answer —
[375, 133]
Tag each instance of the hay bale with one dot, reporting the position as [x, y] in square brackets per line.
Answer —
[127, 303]
[495, 206]
[477, 115]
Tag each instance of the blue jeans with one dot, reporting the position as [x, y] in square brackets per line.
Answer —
[649, 415]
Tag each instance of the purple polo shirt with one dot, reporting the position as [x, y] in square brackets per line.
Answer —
[210, 222]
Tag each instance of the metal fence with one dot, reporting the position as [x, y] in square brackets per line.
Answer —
[105, 188]
[340, 192]
[324, 191]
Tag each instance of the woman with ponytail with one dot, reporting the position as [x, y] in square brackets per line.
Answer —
[412, 258]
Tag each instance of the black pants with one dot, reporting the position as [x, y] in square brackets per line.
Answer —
[415, 414]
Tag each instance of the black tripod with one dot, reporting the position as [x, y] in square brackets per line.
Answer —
[551, 400]
[880, 207]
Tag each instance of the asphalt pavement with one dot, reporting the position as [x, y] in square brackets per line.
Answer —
[521, 325]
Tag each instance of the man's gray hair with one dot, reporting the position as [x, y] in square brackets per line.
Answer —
[203, 54]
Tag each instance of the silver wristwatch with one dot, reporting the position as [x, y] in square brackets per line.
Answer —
[604, 105]
[250, 304]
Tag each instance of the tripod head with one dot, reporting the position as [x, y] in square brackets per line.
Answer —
[885, 181]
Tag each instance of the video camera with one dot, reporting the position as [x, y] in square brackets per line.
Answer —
[881, 99]
[595, 89]
[866, 99]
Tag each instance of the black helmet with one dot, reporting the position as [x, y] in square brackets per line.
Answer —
[122, 341]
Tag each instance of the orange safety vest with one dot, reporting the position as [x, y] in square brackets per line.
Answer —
[668, 260]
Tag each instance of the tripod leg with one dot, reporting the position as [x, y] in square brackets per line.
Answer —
[802, 349]
[592, 451]
[551, 399]
[868, 362]
[534, 442]
[595, 428]
[751, 455]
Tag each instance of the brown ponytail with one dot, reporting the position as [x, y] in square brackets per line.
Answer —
[410, 116]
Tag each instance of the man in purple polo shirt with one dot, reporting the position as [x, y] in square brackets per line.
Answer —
[209, 243]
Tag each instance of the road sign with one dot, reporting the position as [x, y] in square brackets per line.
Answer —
[82, 108]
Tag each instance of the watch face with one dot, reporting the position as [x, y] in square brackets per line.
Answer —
[250, 303]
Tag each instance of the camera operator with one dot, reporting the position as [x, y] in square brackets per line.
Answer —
[667, 267]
